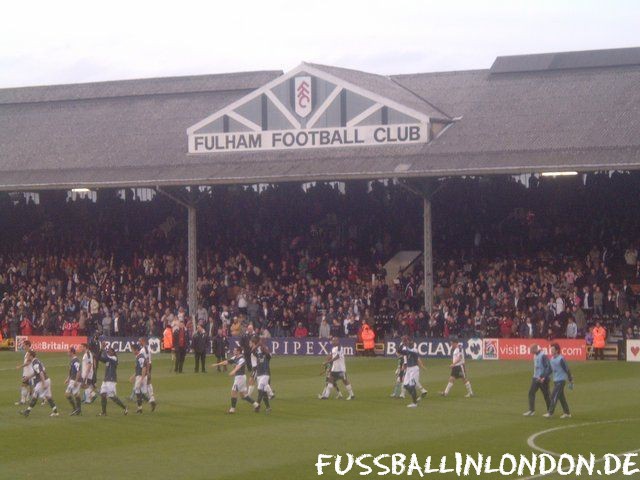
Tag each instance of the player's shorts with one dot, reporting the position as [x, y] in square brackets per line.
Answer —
[87, 381]
[108, 389]
[42, 389]
[73, 388]
[239, 384]
[263, 382]
[339, 376]
[411, 376]
[459, 371]
[87, 376]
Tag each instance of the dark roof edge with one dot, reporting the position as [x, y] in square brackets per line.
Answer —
[580, 59]
[134, 87]
[370, 175]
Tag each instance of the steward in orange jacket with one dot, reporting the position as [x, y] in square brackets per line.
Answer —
[599, 341]
[167, 339]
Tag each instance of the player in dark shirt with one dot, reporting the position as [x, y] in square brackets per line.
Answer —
[238, 373]
[74, 382]
[398, 391]
[412, 368]
[263, 372]
[108, 387]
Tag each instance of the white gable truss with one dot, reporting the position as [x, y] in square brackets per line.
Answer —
[308, 108]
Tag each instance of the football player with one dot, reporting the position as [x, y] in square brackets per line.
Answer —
[108, 387]
[458, 369]
[27, 376]
[73, 383]
[338, 370]
[87, 374]
[42, 385]
[263, 371]
[140, 375]
[238, 373]
[147, 386]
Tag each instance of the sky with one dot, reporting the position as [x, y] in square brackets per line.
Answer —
[54, 42]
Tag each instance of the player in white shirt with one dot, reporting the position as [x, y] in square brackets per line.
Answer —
[338, 371]
[27, 376]
[42, 388]
[147, 387]
[87, 365]
[458, 369]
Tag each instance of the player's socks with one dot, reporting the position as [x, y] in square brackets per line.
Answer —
[269, 391]
[469, 389]
[396, 390]
[72, 402]
[448, 389]
[412, 391]
[24, 393]
[327, 390]
[79, 404]
[152, 398]
[139, 399]
[103, 404]
[52, 404]
[350, 390]
[249, 399]
[234, 402]
[263, 397]
[119, 403]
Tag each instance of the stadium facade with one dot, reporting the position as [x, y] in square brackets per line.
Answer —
[574, 111]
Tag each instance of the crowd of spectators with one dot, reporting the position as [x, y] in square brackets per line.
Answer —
[547, 259]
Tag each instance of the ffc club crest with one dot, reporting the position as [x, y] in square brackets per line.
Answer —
[303, 95]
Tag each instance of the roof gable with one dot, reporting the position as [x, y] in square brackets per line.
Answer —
[312, 97]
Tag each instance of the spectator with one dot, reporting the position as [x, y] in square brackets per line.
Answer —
[200, 345]
[572, 329]
[300, 331]
[220, 348]
[180, 343]
[324, 331]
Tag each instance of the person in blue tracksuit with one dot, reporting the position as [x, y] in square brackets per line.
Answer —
[561, 376]
[540, 380]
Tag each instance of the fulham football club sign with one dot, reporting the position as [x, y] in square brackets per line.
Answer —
[309, 108]
[303, 96]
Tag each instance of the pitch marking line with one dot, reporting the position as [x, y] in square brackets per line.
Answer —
[531, 441]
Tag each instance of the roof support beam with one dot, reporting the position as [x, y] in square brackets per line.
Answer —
[425, 189]
[192, 247]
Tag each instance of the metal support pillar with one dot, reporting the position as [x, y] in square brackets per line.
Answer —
[192, 261]
[192, 250]
[426, 191]
[427, 256]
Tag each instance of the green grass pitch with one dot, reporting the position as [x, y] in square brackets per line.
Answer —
[191, 436]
